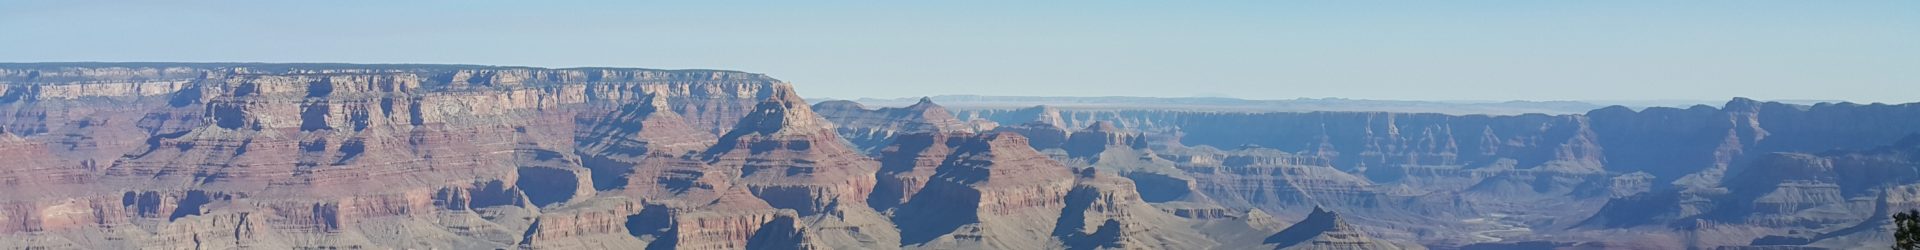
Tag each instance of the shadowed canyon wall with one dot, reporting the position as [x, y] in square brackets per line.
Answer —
[209, 155]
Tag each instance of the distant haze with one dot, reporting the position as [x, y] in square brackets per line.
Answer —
[1861, 51]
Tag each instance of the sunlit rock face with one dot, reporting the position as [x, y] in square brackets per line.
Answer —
[872, 130]
[908, 164]
[184, 155]
[1612, 173]
[992, 192]
[285, 155]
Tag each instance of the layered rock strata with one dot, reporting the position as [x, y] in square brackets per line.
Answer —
[873, 130]
[1324, 229]
[992, 192]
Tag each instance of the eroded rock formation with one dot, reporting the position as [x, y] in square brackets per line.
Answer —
[184, 155]
[1324, 229]
[873, 130]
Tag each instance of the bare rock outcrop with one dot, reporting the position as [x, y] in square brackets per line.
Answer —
[1103, 211]
[1089, 142]
[323, 155]
[1039, 135]
[993, 191]
[908, 164]
[790, 157]
[1827, 199]
[874, 130]
[1324, 229]
[238, 155]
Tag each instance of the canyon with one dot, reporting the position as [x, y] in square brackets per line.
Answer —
[250, 155]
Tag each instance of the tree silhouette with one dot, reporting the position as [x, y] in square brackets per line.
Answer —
[1907, 234]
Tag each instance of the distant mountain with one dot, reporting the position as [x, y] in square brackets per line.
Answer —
[234, 155]
[973, 102]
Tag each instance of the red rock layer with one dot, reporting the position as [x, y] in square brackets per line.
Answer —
[791, 157]
[907, 166]
[993, 191]
[332, 155]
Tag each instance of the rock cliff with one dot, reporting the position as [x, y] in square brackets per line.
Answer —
[1830, 199]
[324, 155]
[791, 157]
[873, 130]
[1556, 169]
[992, 192]
[225, 155]
[1324, 229]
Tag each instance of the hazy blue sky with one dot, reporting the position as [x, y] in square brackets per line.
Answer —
[1432, 50]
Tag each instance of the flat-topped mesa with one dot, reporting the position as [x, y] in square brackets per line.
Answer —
[711, 100]
[1040, 114]
[873, 130]
[1325, 230]
[993, 191]
[1088, 143]
[1039, 135]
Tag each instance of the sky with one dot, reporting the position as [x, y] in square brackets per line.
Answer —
[1862, 51]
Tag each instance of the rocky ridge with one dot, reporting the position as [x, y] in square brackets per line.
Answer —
[1324, 229]
[872, 130]
[176, 155]
[1410, 170]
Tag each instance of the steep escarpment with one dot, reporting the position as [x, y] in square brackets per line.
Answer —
[644, 148]
[1619, 138]
[1671, 143]
[1476, 167]
[329, 155]
[1359, 140]
[710, 99]
[1091, 141]
[908, 164]
[114, 156]
[1104, 211]
[1827, 199]
[992, 192]
[1267, 179]
[790, 157]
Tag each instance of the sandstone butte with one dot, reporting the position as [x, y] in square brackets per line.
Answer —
[213, 155]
